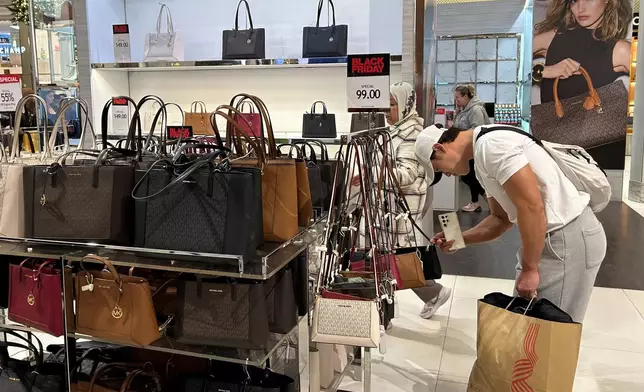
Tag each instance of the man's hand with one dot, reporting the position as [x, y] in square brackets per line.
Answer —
[440, 241]
[527, 283]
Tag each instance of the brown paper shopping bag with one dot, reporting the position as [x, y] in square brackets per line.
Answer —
[518, 353]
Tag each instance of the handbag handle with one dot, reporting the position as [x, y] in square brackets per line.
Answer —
[205, 146]
[134, 374]
[250, 17]
[155, 100]
[592, 101]
[15, 150]
[241, 105]
[198, 105]
[312, 157]
[324, 112]
[60, 121]
[88, 122]
[267, 140]
[108, 265]
[239, 131]
[105, 368]
[324, 153]
[170, 27]
[164, 141]
[292, 146]
[136, 121]
[320, 4]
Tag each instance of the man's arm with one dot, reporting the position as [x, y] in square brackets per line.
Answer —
[491, 228]
[522, 188]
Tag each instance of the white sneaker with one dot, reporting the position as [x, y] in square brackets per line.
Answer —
[472, 207]
[432, 306]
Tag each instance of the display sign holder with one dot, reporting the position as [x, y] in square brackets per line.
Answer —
[10, 92]
[120, 116]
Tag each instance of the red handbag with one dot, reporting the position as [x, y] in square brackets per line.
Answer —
[35, 297]
[253, 124]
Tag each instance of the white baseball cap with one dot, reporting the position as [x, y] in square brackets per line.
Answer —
[425, 147]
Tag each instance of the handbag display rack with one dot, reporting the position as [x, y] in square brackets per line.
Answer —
[140, 307]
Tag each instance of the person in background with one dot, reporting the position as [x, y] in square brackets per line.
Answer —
[470, 113]
[405, 127]
[563, 243]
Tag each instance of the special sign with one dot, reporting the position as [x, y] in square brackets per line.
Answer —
[368, 82]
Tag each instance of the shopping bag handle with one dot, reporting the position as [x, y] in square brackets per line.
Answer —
[250, 17]
[320, 4]
[526, 308]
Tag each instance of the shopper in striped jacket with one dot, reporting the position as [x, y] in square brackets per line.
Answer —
[405, 126]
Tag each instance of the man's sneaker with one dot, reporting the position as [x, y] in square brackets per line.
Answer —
[472, 207]
[432, 306]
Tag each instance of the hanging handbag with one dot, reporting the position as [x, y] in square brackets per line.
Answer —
[222, 314]
[166, 45]
[588, 120]
[319, 126]
[279, 180]
[280, 300]
[243, 44]
[318, 190]
[205, 205]
[16, 374]
[330, 41]
[114, 307]
[327, 172]
[34, 297]
[198, 119]
[348, 322]
[363, 121]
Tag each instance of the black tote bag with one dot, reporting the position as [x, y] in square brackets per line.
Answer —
[330, 41]
[79, 202]
[243, 44]
[319, 125]
[314, 170]
[280, 301]
[202, 209]
[363, 121]
[222, 314]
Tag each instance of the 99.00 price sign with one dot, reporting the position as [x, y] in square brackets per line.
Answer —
[368, 82]
[10, 92]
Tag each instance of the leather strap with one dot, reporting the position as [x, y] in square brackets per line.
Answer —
[320, 4]
[250, 17]
[135, 119]
[239, 131]
[592, 101]
[108, 265]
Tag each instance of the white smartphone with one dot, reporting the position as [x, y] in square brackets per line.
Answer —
[452, 230]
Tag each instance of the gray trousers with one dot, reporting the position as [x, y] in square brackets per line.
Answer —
[569, 264]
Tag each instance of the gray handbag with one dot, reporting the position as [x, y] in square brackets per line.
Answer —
[319, 125]
[244, 44]
[329, 41]
[591, 120]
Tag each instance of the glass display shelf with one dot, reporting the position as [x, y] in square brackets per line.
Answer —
[269, 259]
[8, 325]
[229, 64]
[226, 354]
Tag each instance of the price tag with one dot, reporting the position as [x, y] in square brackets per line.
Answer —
[10, 92]
[121, 36]
[368, 82]
[120, 116]
[179, 132]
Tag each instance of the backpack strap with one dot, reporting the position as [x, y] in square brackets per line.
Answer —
[575, 153]
[486, 130]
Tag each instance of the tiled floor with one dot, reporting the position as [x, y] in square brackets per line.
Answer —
[437, 355]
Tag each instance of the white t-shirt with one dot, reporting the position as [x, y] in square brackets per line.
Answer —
[500, 154]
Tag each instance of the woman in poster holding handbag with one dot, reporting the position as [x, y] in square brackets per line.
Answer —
[578, 35]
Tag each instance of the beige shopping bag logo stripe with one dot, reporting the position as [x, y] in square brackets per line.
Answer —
[524, 367]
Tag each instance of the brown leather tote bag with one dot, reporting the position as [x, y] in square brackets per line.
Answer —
[279, 177]
[587, 121]
[114, 307]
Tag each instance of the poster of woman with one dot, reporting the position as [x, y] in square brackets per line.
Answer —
[581, 63]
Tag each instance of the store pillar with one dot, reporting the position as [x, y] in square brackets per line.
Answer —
[636, 185]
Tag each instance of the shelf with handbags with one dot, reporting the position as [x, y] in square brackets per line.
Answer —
[78, 204]
[165, 32]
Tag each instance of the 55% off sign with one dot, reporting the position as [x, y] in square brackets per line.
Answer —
[368, 82]
[10, 92]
